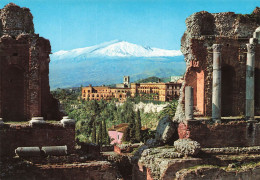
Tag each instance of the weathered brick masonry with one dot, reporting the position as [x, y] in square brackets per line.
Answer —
[13, 136]
[24, 68]
[232, 134]
[232, 31]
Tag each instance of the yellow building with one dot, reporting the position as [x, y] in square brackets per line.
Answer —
[103, 92]
[158, 91]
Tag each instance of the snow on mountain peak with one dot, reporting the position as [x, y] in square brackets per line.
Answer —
[115, 48]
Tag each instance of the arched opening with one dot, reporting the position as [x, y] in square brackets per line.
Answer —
[200, 92]
[227, 91]
[13, 95]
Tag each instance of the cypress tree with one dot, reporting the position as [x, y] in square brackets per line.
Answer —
[104, 131]
[131, 119]
[138, 127]
[93, 137]
[100, 138]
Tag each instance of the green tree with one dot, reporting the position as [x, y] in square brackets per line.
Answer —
[104, 132]
[93, 137]
[132, 125]
[100, 138]
[138, 127]
[169, 110]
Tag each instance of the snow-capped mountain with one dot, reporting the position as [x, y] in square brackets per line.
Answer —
[115, 48]
[108, 62]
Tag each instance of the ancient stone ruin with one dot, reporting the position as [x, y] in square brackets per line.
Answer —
[219, 106]
[24, 68]
[216, 51]
[216, 133]
[38, 149]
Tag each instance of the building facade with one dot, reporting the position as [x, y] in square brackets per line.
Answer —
[105, 93]
[156, 91]
[116, 133]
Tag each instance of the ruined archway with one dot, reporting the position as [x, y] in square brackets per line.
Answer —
[200, 91]
[227, 91]
[13, 94]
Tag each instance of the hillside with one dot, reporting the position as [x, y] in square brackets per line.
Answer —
[153, 79]
[107, 63]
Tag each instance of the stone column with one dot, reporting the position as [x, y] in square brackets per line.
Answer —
[188, 103]
[216, 88]
[1, 122]
[250, 80]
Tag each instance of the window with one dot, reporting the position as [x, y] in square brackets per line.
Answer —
[118, 137]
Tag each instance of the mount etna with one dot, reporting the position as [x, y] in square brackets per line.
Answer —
[108, 62]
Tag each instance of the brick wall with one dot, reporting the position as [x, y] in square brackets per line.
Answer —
[13, 136]
[24, 69]
[80, 171]
[232, 134]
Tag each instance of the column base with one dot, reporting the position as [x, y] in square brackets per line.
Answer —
[218, 121]
[251, 121]
[37, 120]
[66, 121]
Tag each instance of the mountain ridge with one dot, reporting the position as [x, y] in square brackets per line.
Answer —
[92, 65]
[115, 48]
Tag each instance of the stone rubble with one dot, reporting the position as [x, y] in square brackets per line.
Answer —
[187, 147]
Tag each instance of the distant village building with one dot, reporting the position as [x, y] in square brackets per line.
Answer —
[105, 93]
[126, 83]
[116, 133]
[158, 91]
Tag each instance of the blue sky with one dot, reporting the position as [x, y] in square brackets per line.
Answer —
[70, 24]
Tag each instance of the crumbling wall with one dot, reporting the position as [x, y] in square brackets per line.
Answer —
[232, 134]
[24, 68]
[16, 20]
[80, 171]
[232, 31]
[13, 136]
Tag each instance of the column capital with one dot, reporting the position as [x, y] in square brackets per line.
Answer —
[250, 48]
[217, 47]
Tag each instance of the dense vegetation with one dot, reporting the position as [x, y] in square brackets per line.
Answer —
[152, 79]
[93, 118]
